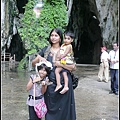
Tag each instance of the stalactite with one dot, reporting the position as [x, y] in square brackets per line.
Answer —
[69, 7]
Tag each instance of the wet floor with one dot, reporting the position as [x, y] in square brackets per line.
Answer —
[93, 101]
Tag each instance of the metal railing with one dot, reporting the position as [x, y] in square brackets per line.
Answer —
[7, 57]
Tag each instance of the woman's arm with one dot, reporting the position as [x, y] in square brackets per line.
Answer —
[40, 57]
[68, 50]
[37, 59]
[71, 67]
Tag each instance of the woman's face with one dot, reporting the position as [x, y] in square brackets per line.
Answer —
[54, 37]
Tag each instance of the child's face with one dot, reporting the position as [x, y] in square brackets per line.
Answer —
[42, 73]
[67, 40]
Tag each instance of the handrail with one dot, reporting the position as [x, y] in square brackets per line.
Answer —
[5, 56]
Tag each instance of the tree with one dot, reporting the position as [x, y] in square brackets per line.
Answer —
[34, 31]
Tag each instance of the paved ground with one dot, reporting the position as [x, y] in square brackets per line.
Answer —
[93, 101]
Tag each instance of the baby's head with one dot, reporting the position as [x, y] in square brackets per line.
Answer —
[68, 37]
[47, 66]
[70, 34]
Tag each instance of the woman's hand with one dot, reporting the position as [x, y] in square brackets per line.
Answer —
[71, 67]
[37, 60]
[57, 64]
[42, 59]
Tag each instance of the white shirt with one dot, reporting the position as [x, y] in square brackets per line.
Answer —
[114, 56]
[104, 56]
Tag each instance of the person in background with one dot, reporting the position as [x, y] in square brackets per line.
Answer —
[60, 106]
[114, 68]
[40, 81]
[104, 65]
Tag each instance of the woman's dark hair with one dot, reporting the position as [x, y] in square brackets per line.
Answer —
[48, 69]
[59, 32]
[69, 33]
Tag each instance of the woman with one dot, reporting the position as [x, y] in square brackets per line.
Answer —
[60, 106]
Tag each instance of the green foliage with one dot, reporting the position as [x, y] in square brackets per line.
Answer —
[35, 31]
[22, 64]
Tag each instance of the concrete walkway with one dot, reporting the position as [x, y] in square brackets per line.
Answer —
[93, 101]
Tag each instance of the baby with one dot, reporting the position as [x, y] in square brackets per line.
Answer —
[65, 56]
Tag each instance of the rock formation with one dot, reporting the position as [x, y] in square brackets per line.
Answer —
[94, 22]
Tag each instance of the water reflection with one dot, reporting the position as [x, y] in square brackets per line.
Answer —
[14, 93]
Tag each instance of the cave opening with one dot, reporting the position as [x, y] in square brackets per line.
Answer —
[83, 21]
[21, 4]
[16, 48]
[85, 24]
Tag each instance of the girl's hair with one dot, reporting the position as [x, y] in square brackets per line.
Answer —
[69, 33]
[48, 69]
[59, 32]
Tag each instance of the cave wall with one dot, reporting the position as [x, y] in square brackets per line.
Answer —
[10, 40]
[108, 17]
[95, 23]
[20, 4]
[16, 47]
[8, 28]
[85, 24]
